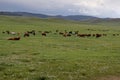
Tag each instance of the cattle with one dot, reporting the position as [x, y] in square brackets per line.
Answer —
[32, 32]
[57, 30]
[84, 35]
[76, 32]
[115, 34]
[65, 35]
[13, 33]
[88, 35]
[14, 38]
[43, 34]
[61, 33]
[26, 34]
[8, 32]
[3, 32]
[81, 35]
[98, 35]
[70, 32]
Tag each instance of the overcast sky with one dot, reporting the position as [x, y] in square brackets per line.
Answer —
[99, 8]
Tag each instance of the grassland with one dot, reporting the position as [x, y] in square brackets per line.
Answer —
[55, 57]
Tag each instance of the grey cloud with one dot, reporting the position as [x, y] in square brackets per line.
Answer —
[100, 8]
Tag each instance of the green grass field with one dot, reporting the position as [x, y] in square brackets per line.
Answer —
[55, 57]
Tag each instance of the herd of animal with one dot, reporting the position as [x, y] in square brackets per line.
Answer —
[64, 33]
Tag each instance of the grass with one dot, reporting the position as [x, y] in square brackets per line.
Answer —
[55, 57]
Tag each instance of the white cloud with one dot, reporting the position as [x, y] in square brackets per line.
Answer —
[101, 8]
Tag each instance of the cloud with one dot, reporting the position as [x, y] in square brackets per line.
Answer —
[100, 8]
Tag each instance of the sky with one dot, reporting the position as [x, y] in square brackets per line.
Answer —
[98, 8]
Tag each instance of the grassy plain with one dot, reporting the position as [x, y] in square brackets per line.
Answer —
[55, 57]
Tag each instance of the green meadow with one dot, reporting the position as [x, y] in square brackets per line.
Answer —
[54, 57]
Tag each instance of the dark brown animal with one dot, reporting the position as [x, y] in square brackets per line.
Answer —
[14, 38]
[61, 33]
[43, 34]
[3, 32]
[69, 34]
[57, 30]
[26, 34]
[65, 35]
[81, 35]
[98, 35]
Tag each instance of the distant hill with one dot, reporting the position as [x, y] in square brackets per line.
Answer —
[103, 20]
[70, 17]
[77, 17]
[23, 14]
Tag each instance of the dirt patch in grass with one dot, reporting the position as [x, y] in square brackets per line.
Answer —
[109, 78]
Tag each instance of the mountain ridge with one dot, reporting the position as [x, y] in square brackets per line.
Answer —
[69, 17]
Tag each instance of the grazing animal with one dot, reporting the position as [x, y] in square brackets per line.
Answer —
[3, 32]
[57, 30]
[8, 32]
[61, 33]
[44, 34]
[65, 35]
[32, 32]
[84, 35]
[14, 38]
[69, 34]
[26, 34]
[98, 35]
[13, 33]
[76, 32]
[81, 35]
[88, 35]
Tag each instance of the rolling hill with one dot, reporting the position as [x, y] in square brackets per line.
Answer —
[69, 17]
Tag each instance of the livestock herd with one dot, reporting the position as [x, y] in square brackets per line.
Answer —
[64, 33]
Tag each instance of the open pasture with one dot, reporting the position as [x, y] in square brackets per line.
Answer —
[55, 57]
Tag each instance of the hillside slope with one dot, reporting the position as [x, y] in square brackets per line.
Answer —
[69, 17]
